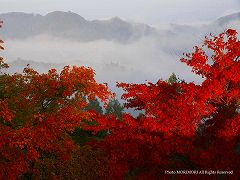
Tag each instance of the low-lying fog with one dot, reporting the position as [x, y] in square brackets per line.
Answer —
[147, 59]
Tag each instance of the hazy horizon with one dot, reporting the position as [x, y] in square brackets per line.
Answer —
[152, 12]
[145, 58]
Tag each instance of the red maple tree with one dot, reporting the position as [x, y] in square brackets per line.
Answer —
[38, 113]
[186, 126]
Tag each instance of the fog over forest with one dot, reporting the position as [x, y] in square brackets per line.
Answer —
[116, 49]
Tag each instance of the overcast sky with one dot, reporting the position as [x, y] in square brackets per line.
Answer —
[153, 12]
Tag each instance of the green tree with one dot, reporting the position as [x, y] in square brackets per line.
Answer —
[114, 107]
[95, 105]
[173, 79]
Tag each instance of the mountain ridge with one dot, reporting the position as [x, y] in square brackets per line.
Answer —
[71, 26]
[74, 27]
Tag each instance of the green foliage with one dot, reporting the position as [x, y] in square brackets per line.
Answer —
[173, 79]
[114, 107]
[95, 105]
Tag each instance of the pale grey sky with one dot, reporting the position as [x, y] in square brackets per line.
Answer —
[153, 12]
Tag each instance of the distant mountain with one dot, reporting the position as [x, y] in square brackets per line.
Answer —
[152, 52]
[215, 27]
[225, 20]
[19, 64]
[71, 26]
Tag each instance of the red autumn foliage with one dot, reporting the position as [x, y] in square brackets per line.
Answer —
[185, 126]
[38, 113]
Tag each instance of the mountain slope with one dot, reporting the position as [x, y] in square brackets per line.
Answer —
[229, 19]
[71, 26]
